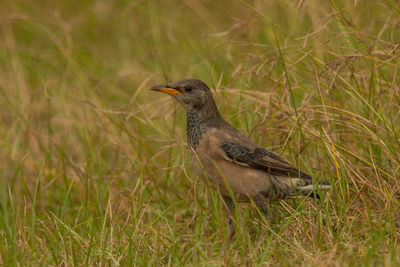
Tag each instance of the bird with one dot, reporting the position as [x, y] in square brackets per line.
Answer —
[226, 160]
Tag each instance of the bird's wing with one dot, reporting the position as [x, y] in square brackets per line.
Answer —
[261, 159]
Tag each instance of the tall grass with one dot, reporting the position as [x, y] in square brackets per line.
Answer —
[93, 166]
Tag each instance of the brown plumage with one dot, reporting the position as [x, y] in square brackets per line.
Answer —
[230, 162]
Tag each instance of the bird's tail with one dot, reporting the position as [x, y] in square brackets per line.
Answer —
[290, 187]
[312, 189]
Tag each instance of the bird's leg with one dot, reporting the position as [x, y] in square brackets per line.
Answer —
[262, 203]
[230, 209]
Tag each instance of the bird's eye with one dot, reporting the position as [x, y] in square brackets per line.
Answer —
[188, 88]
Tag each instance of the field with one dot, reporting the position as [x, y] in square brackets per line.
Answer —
[94, 169]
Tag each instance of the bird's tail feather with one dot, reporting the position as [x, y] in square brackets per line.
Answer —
[290, 187]
[323, 185]
[312, 189]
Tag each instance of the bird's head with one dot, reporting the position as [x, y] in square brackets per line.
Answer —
[191, 93]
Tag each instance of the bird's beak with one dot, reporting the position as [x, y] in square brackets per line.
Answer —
[165, 89]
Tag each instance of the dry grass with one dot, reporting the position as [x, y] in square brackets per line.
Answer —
[93, 164]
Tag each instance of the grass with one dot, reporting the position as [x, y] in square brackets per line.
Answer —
[93, 165]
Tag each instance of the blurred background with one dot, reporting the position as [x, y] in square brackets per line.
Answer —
[92, 163]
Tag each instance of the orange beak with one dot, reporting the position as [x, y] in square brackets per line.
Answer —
[165, 89]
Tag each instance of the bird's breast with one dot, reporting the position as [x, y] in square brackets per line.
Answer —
[210, 164]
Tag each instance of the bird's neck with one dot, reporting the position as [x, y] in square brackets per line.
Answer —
[199, 121]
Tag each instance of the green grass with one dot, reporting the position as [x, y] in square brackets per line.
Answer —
[94, 169]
